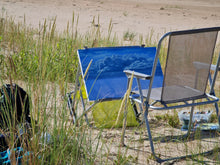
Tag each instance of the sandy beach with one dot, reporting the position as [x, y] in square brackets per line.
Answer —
[139, 17]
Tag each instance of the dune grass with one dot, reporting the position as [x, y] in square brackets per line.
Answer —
[44, 62]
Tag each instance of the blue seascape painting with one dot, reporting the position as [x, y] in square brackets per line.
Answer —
[106, 79]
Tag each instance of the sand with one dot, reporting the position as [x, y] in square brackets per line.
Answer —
[140, 17]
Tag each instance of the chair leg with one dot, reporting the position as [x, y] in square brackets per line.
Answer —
[84, 109]
[159, 160]
[71, 108]
[217, 112]
[190, 122]
[137, 115]
[150, 136]
[212, 91]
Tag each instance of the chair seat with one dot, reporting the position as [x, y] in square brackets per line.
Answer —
[174, 94]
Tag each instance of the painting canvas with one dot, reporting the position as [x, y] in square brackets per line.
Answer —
[105, 78]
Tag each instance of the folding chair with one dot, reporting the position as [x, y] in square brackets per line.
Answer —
[187, 70]
[105, 80]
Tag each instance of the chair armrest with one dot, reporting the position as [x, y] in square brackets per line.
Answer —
[137, 75]
[200, 65]
[213, 67]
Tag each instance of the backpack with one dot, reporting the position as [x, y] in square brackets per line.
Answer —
[14, 111]
[13, 99]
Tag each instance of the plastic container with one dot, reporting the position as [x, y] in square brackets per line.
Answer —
[198, 117]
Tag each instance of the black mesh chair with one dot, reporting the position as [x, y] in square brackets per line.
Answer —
[187, 70]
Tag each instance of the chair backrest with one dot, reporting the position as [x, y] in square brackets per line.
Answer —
[105, 78]
[188, 62]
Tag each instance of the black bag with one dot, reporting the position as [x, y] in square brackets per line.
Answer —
[13, 100]
[14, 108]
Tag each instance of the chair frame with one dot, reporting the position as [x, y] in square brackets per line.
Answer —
[71, 96]
[71, 101]
[144, 102]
